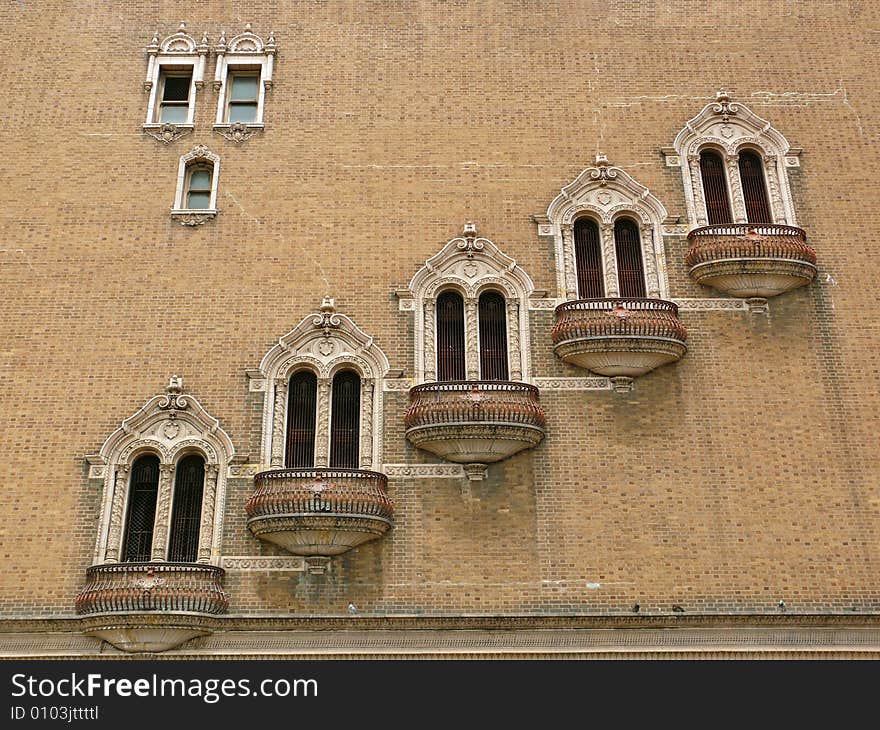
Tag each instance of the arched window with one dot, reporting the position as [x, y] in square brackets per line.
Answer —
[186, 510]
[715, 188]
[628, 249]
[198, 186]
[588, 257]
[493, 336]
[450, 337]
[751, 172]
[302, 401]
[143, 490]
[345, 416]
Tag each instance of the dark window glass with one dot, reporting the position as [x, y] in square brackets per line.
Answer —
[588, 255]
[715, 188]
[628, 248]
[143, 488]
[450, 336]
[345, 418]
[176, 88]
[751, 172]
[302, 399]
[493, 336]
[186, 510]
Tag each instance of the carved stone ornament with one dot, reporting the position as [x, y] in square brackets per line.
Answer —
[167, 133]
[237, 131]
[193, 218]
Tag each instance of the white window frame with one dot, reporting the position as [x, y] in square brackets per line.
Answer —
[196, 216]
[245, 53]
[177, 52]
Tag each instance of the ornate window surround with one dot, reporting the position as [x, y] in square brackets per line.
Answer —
[728, 127]
[605, 193]
[196, 216]
[178, 49]
[325, 343]
[470, 265]
[245, 51]
[171, 425]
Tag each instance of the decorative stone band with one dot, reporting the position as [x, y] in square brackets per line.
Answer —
[618, 337]
[319, 511]
[164, 587]
[474, 401]
[751, 261]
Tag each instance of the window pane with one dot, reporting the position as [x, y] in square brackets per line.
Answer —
[143, 489]
[200, 180]
[175, 114]
[345, 417]
[493, 336]
[199, 200]
[176, 88]
[245, 113]
[186, 512]
[244, 88]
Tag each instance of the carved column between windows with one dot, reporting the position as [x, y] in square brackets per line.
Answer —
[367, 387]
[738, 202]
[278, 413]
[697, 190]
[513, 344]
[568, 258]
[117, 516]
[649, 255]
[472, 340]
[430, 341]
[770, 173]
[609, 256]
[322, 439]
[163, 512]
[206, 523]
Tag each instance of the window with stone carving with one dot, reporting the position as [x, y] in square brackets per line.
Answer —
[198, 175]
[164, 477]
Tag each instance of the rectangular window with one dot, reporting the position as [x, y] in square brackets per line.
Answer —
[244, 96]
[174, 96]
[199, 193]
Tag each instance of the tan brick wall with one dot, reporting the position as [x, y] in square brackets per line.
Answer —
[744, 474]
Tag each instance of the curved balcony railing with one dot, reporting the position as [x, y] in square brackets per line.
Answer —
[474, 401]
[617, 317]
[354, 492]
[746, 240]
[153, 587]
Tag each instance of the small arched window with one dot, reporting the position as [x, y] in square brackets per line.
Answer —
[345, 418]
[199, 178]
[751, 172]
[143, 490]
[715, 188]
[493, 336]
[302, 401]
[628, 249]
[450, 337]
[588, 257]
[186, 510]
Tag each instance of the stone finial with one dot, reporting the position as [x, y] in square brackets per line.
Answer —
[182, 27]
[247, 28]
[270, 42]
[328, 304]
[221, 42]
[175, 384]
[602, 160]
[721, 96]
[470, 229]
[154, 41]
[203, 44]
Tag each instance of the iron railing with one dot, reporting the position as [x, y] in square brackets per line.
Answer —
[173, 587]
[748, 241]
[474, 401]
[617, 317]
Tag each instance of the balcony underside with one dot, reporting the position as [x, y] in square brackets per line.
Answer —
[620, 356]
[318, 534]
[754, 277]
[469, 443]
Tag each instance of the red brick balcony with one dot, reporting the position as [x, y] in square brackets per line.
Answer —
[319, 512]
[751, 261]
[474, 421]
[150, 607]
[618, 337]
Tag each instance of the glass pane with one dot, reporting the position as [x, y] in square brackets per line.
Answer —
[200, 180]
[174, 114]
[246, 113]
[198, 200]
[244, 88]
[176, 88]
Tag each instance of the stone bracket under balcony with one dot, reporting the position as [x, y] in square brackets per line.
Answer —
[474, 422]
[618, 338]
[318, 513]
[151, 607]
[751, 261]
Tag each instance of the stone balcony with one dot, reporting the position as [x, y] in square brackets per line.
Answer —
[474, 422]
[150, 607]
[751, 261]
[619, 338]
[319, 512]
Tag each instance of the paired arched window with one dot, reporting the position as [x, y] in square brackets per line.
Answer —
[451, 347]
[627, 253]
[717, 193]
[588, 257]
[186, 509]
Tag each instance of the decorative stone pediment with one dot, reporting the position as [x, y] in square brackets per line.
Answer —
[180, 46]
